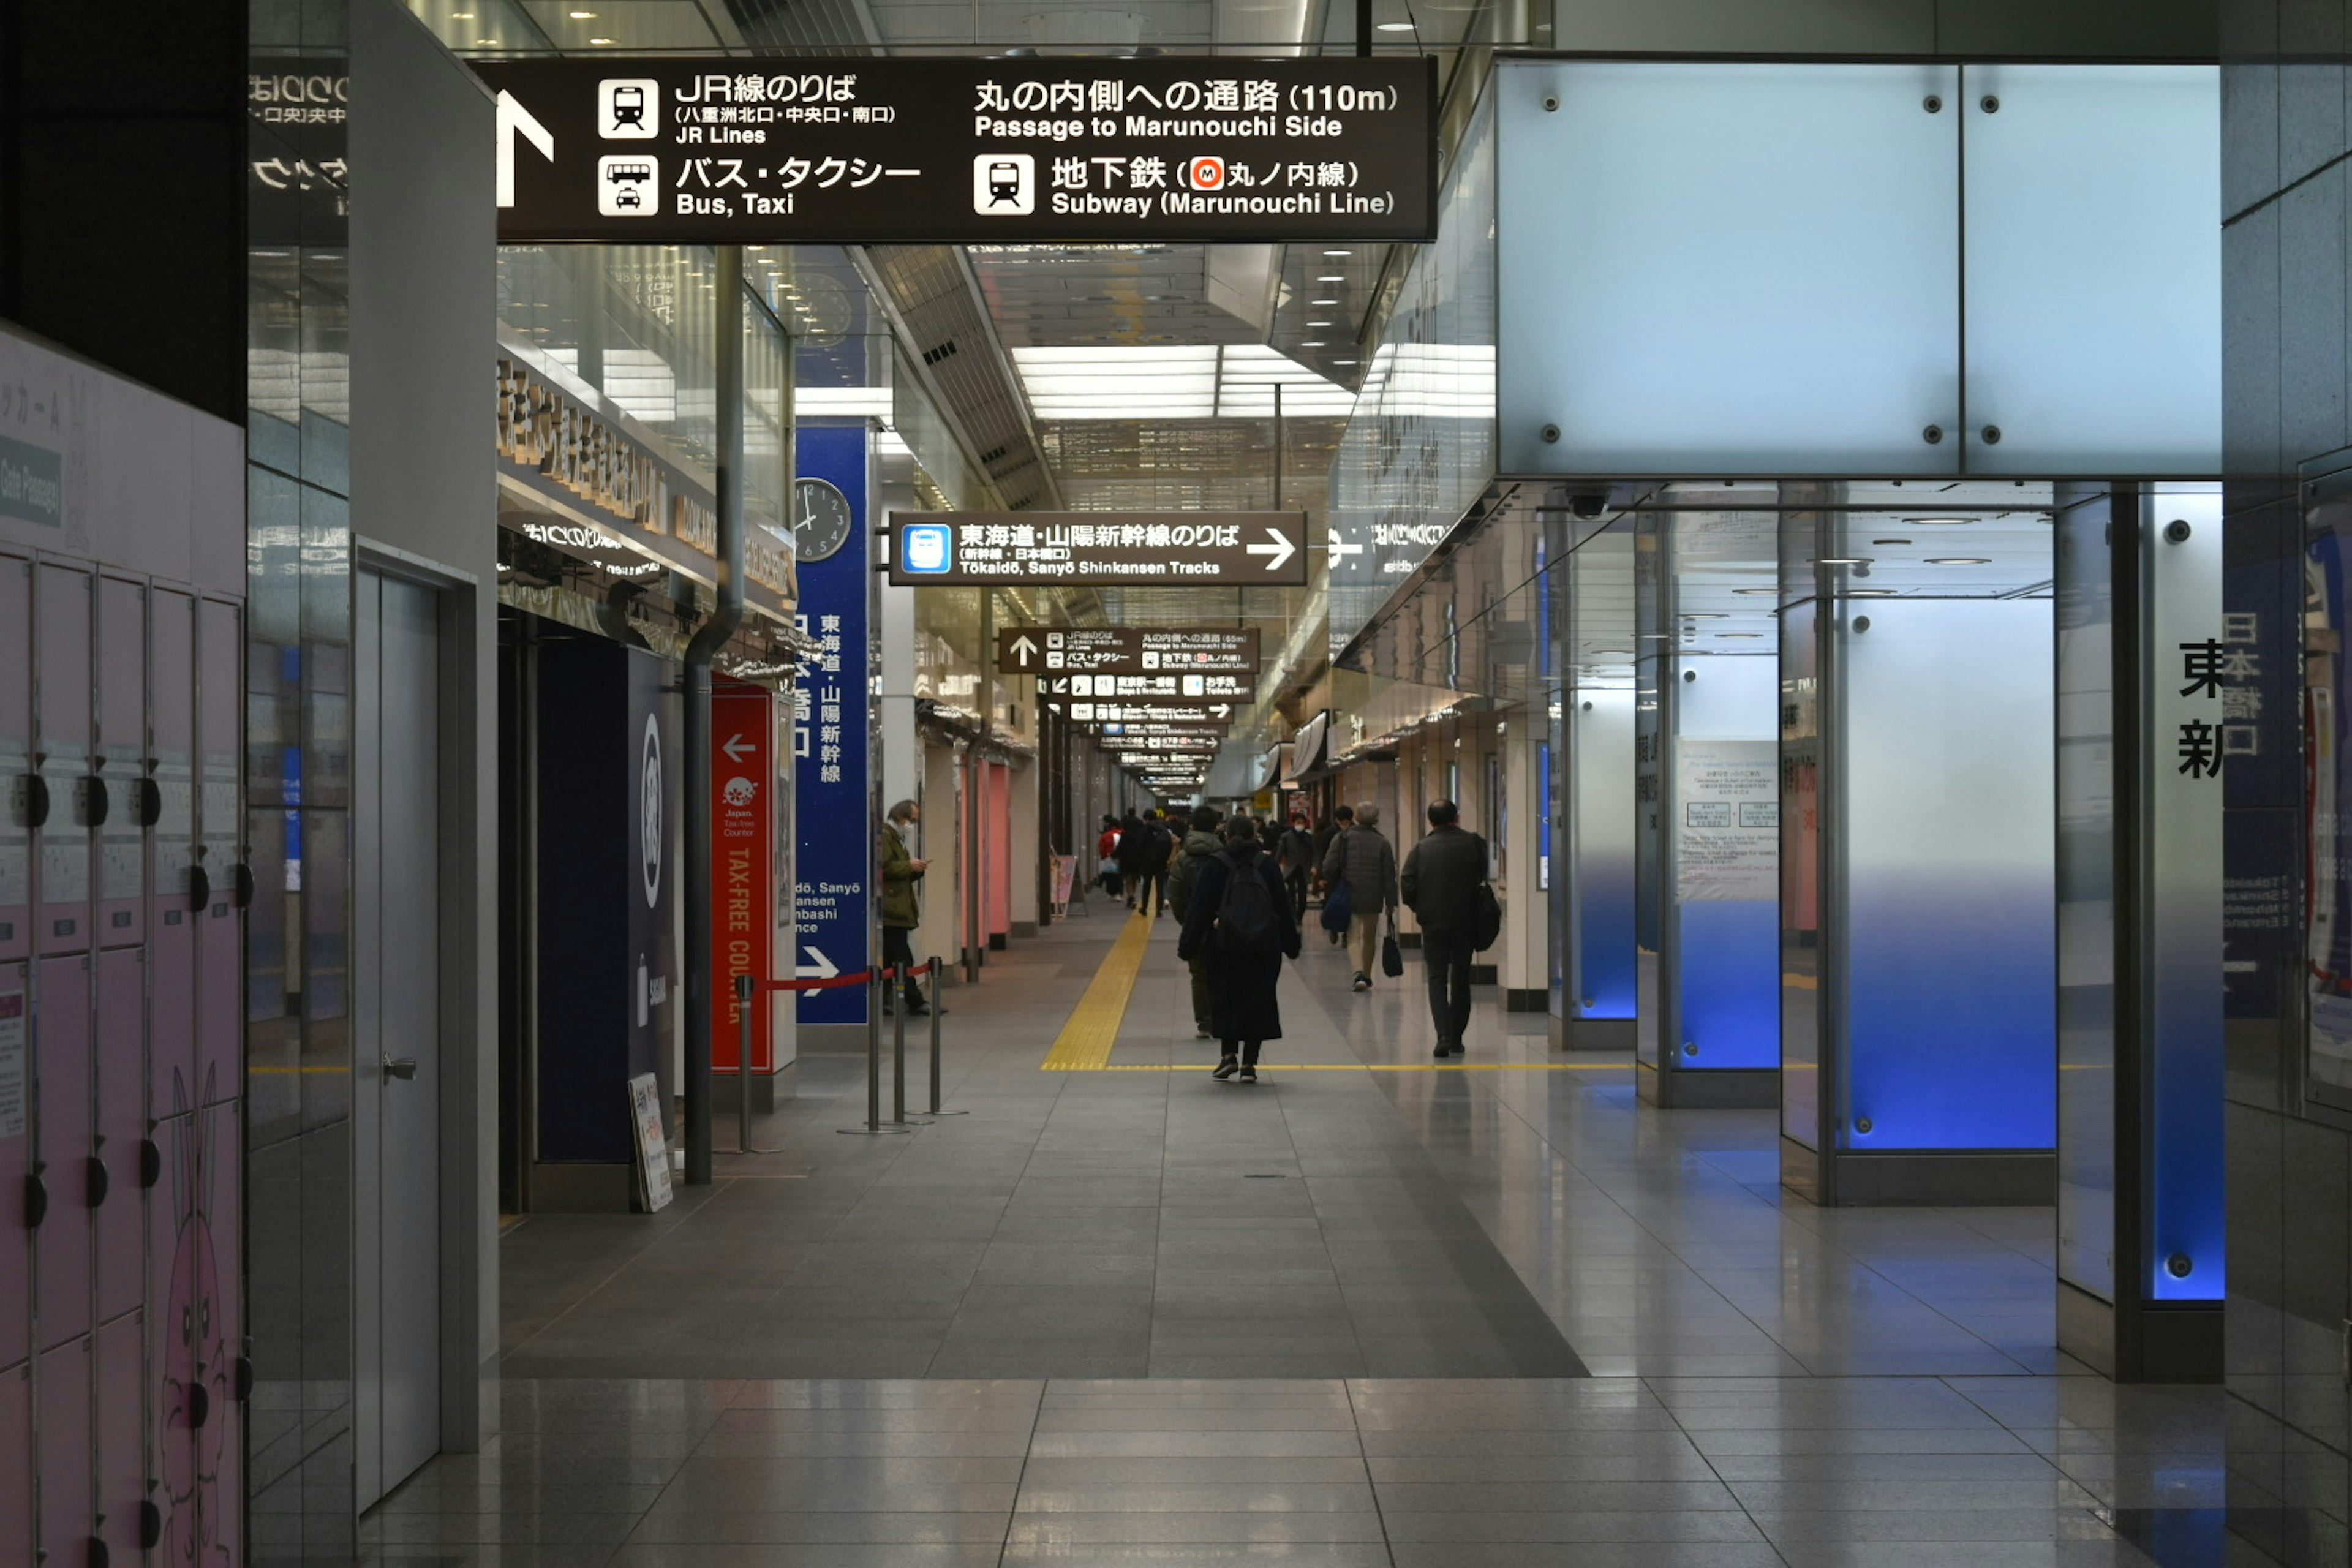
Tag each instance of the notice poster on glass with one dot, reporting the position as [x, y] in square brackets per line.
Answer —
[652, 1149]
[1728, 798]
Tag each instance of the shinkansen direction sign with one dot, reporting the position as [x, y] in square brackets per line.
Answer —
[1170, 549]
[1127, 650]
[677, 150]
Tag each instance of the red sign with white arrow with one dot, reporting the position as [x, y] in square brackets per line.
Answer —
[742, 869]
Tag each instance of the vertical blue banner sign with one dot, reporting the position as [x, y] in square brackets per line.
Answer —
[831, 761]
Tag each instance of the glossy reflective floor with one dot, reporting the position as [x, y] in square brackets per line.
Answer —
[1341, 1318]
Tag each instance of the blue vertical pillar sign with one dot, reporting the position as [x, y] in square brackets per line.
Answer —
[832, 753]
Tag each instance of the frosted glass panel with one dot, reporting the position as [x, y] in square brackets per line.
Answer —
[2087, 901]
[2094, 269]
[1948, 944]
[1726, 862]
[1600, 853]
[1800, 905]
[1747, 269]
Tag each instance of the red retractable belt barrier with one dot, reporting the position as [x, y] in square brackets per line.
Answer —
[836, 982]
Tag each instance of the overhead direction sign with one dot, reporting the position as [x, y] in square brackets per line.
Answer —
[1201, 745]
[1129, 712]
[1127, 650]
[1174, 549]
[676, 151]
[1179, 688]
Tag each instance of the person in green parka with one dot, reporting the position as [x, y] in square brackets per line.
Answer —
[900, 872]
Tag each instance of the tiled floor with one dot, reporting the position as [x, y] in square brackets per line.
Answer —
[1338, 1319]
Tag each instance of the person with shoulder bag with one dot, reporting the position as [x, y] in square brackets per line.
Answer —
[1200, 843]
[1362, 860]
[1239, 919]
[1445, 887]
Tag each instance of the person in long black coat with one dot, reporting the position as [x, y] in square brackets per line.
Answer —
[1243, 1009]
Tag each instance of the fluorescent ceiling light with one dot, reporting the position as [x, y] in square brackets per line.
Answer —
[1181, 382]
[1960, 561]
[842, 402]
[1395, 27]
[1938, 522]
[1334, 277]
[1755, 590]
[1338, 253]
[1322, 301]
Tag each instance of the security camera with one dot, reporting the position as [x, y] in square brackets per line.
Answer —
[1588, 504]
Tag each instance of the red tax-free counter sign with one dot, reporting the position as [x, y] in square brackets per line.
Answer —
[744, 869]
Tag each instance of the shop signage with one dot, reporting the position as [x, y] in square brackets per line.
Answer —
[674, 151]
[554, 446]
[1178, 549]
[744, 869]
[832, 757]
[1127, 650]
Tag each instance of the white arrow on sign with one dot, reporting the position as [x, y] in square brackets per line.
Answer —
[513, 118]
[822, 969]
[1024, 648]
[1223, 710]
[1281, 550]
[737, 747]
[1341, 549]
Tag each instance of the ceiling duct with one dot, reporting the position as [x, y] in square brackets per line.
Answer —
[932, 293]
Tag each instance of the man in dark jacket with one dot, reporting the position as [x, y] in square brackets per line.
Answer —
[1132, 843]
[1442, 878]
[1157, 849]
[1363, 859]
[900, 872]
[1201, 842]
[1243, 974]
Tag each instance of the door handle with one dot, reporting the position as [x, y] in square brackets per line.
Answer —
[401, 1067]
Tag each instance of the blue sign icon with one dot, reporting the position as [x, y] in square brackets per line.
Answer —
[927, 547]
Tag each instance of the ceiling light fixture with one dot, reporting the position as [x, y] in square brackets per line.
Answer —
[1338, 253]
[1333, 278]
[1842, 561]
[1960, 561]
[1890, 542]
[1395, 27]
[1322, 301]
[1739, 633]
[582, 16]
[1343, 362]
[600, 41]
[1755, 590]
[1940, 522]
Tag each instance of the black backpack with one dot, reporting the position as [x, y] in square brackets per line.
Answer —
[1247, 921]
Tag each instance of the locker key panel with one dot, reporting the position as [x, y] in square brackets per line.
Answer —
[16, 1475]
[16, 1164]
[16, 783]
[61, 743]
[171, 914]
[121, 1120]
[61, 1151]
[220, 825]
[121, 1436]
[195, 1336]
[121, 795]
[66, 1497]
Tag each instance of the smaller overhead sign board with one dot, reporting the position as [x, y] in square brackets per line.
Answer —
[1127, 650]
[1172, 549]
[1086, 712]
[1180, 687]
[1202, 745]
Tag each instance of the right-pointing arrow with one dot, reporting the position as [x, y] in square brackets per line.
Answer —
[1280, 550]
[821, 968]
[1341, 549]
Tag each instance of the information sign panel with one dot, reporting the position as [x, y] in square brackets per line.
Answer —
[1127, 650]
[1180, 549]
[1130, 712]
[1168, 744]
[1180, 687]
[832, 696]
[676, 150]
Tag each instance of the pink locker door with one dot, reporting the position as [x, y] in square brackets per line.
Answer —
[219, 1295]
[220, 820]
[124, 802]
[998, 829]
[122, 1122]
[121, 1437]
[15, 756]
[170, 1329]
[61, 693]
[15, 1466]
[16, 1164]
[172, 915]
[61, 1150]
[66, 1497]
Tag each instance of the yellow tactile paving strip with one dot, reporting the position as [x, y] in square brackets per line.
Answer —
[1084, 1045]
[1086, 1040]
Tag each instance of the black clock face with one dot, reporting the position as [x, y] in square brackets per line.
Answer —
[821, 519]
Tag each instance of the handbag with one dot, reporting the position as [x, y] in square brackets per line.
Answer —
[1338, 906]
[1485, 919]
[1391, 952]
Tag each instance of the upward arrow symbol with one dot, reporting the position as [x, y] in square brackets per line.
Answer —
[1024, 648]
[513, 118]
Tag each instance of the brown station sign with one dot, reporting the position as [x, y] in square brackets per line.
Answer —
[1127, 650]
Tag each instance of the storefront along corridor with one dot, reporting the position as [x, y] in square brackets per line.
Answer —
[1389, 1312]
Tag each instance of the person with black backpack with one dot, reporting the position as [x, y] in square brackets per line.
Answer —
[1444, 884]
[1238, 917]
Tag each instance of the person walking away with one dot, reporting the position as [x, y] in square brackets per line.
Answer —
[1295, 854]
[1362, 858]
[1442, 878]
[1201, 843]
[1157, 850]
[1132, 846]
[1106, 857]
[900, 915]
[1240, 920]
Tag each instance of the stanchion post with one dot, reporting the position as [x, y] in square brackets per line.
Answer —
[876, 983]
[936, 1010]
[897, 1047]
